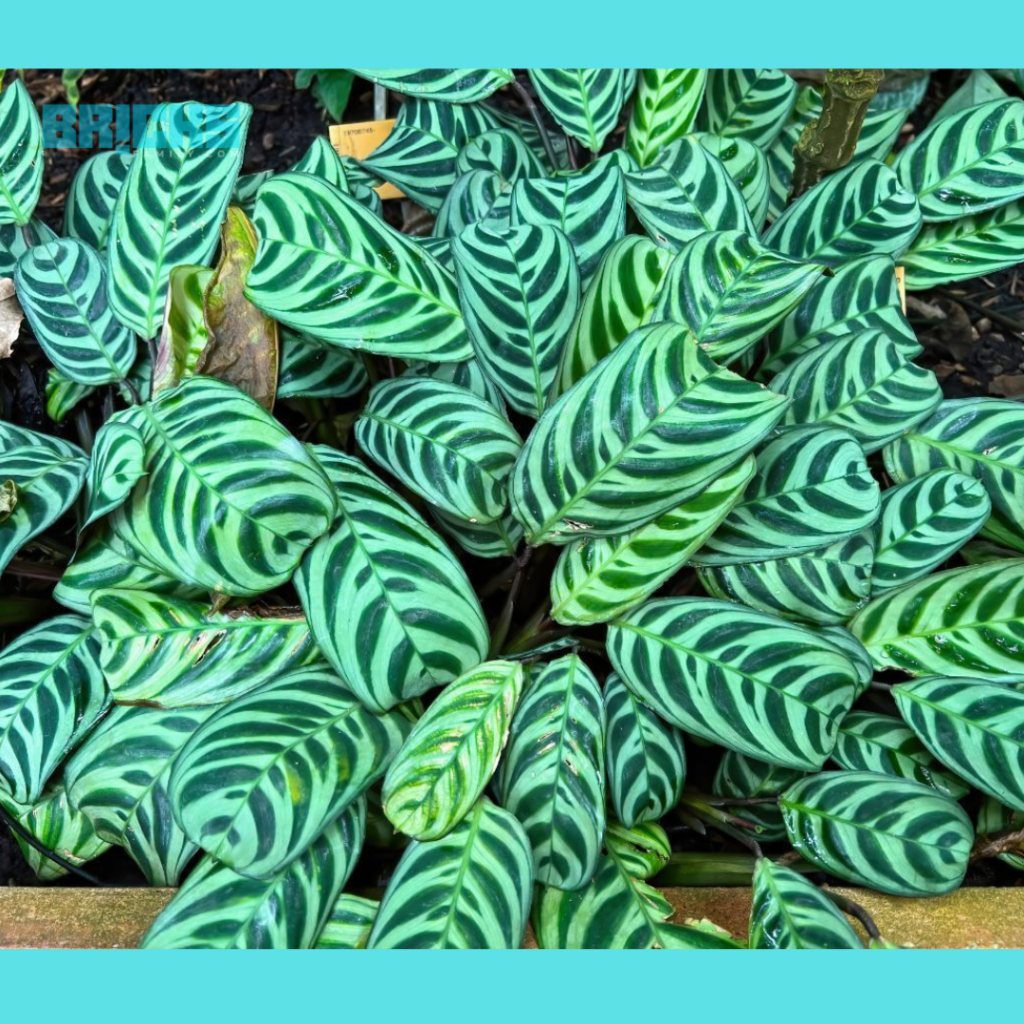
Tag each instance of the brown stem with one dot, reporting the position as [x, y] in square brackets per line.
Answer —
[848, 906]
[1011, 842]
[829, 141]
[524, 94]
[34, 570]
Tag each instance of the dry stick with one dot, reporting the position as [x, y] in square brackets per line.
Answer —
[848, 906]
[1011, 842]
[534, 113]
[829, 141]
[33, 571]
[19, 829]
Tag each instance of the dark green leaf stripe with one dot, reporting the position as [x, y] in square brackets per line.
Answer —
[48, 474]
[115, 466]
[230, 499]
[589, 207]
[584, 101]
[21, 155]
[862, 384]
[466, 374]
[968, 162]
[477, 197]
[666, 104]
[444, 766]
[618, 300]
[685, 192]
[262, 778]
[171, 205]
[118, 780]
[748, 169]
[861, 294]
[861, 210]
[469, 890]
[450, 447]
[409, 620]
[219, 909]
[967, 622]
[322, 161]
[748, 681]
[752, 103]
[456, 85]
[811, 489]
[889, 834]
[646, 759]
[653, 425]
[93, 196]
[552, 773]
[419, 155]
[923, 522]
[247, 187]
[969, 247]
[485, 540]
[502, 151]
[857, 654]
[520, 290]
[730, 291]
[51, 694]
[982, 437]
[350, 923]
[789, 912]
[328, 267]
[16, 239]
[175, 653]
[880, 743]
[745, 777]
[311, 369]
[825, 586]
[597, 578]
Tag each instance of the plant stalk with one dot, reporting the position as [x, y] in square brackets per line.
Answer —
[524, 94]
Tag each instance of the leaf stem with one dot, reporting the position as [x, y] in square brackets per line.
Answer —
[18, 829]
[848, 906]
[523, 93]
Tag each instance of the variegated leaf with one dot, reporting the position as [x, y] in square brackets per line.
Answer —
[115, 466]
[745, 778]
[664, 109]
[584, 101]
[752, 103]
[93, 196]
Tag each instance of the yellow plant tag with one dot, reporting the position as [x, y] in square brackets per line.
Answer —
[360, 140]
[901, 287]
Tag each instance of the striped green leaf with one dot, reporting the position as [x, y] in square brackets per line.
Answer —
[748, 168]
[880, 743]
[185, 333]
[619, 909]
[824, 587]
[449, 757]
[965, 622]
[247, 187]
[737, 677]
[452, 448]
[977, 729]
[454, 85]
[311, 369]
[469, 890]
[812, 488]
[861, 294]
[118, 780]
[322, 161]
[502, 151]
[746, 777]
[259, 781]
[789, 912]
[685, 192]
[617, 301]
[21, 155]
[254, 498]
[979, 87]
[598, 578]
[588, 206]
[889, 834]
[862, 210]
[115, 466]
[499, 539]
[93, 195]
[420, 153]
[967, 162]
[63, 395]
[982, 437]
[175, 653]
[317, 244]
[219, 909]
[350, 923]
[924, 522]
[51, 694]
[171, 205]
[585, 102]
[730, 291]
[62, 287]
[477, 197]
[645, 758]
[520, 290]
[664, 109]
[53, 822]
[863, 384]
[652, 426]
[17, 239]
[752, 103]
[48, 474]
[467, 374]
[388, 603]
[857, 654]
[959, 250]
[995, 818]
[552, 772]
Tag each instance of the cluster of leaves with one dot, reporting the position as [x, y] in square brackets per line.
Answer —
[620, 365]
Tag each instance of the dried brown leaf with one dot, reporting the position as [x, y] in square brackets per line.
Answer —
[10, 317]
